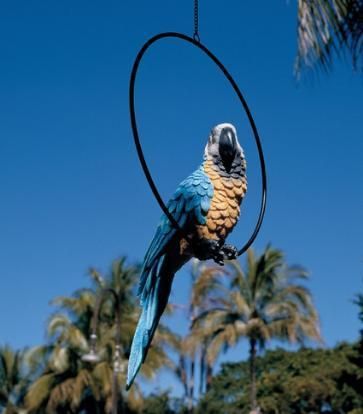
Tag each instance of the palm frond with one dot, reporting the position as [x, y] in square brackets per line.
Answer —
[266, 300]
[328, 29]
[39, 392]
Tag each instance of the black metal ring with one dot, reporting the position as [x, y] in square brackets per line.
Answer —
[244, 105]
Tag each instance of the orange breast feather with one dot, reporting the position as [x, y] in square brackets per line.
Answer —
[225, 206]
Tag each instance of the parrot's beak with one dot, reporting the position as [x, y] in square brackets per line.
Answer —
[227, 147]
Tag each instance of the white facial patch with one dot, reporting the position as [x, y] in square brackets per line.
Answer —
[212, 147]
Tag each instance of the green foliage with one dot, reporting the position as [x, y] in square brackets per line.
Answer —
[193, 369]
[359, 302]
[266, 300]
[164, 403]
[68, 384]
[302, 382]
[329, 28]
[157, 404]
[13, 380]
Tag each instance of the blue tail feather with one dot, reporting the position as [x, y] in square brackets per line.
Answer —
[154, 298]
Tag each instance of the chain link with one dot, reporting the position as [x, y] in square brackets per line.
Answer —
[196, 21]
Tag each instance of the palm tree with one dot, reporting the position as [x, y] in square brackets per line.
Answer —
[265, 302]
[208, 290]
[191, 350]
[359, 302]
[13, 380]
[327, 28]
[66, 382]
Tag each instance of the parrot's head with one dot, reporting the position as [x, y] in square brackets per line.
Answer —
[223, 145]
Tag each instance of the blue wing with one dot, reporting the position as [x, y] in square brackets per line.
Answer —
[189, 205]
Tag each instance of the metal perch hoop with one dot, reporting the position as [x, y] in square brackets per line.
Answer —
[195, 41]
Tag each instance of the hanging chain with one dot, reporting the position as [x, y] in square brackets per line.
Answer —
[196, 21]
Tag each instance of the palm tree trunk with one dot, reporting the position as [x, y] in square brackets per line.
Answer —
[115, 392]
[184, 374]
[202, 371]
[253, 400]
[191, 384]
[209, 376]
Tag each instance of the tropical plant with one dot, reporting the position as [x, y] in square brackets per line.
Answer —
[13, 380]
[328, 28]
[67, 383]
[158, 404]
[302, 382]
[357, 359]
[266, 301]
[359, 302]
[193, 364]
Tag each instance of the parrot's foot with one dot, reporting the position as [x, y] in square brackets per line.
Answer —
[218, 257]
[229, 252]
[206, 249]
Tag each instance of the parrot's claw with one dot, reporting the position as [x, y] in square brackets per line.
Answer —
[229, 252]
[216, 253]
[215, 250]
[218, 257]
[209, 249]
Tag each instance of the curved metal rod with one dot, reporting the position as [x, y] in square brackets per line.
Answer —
[135, 132]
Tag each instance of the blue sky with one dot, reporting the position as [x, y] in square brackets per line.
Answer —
[72, 192]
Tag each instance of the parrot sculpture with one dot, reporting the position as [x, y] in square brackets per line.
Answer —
[206, 207]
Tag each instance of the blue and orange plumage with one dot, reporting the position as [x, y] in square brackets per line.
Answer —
[206, 206]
